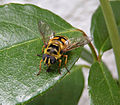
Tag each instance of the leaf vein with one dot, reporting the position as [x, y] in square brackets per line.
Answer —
[22, 26]
[110, 90]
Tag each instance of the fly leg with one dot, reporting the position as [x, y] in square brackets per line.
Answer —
[42, 50]
[39, 67]
[66, 58]
[59, 66]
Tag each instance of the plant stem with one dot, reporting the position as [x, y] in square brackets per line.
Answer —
[113, 31]
[96, 58]
[91, 47]
[84, 66]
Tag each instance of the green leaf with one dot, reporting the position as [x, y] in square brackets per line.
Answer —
[19, 23]
[103, 88]
[99, 29]
[20, 41]
[87, 56]
[67, 92]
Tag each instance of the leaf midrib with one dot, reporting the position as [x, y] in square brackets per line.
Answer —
[110, 90]
[19, 25]
[32, 40]
[22, 26]
[19, 44]
[102, 45]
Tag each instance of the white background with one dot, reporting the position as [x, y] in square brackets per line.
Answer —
[78, 13]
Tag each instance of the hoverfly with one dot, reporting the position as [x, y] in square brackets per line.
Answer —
[55, 46]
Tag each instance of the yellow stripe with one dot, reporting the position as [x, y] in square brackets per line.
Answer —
[49, 61]
[63, 40]
[45, 59]
[55, 38]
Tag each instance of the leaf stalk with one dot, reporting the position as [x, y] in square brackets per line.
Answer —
[96, 58]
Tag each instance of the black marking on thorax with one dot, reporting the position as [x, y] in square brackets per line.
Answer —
[54, 47]
[59, 39]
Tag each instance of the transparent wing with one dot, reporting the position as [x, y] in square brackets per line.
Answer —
[45, 31]
[77, 42]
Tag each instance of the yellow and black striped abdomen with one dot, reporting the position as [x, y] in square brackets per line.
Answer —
[54, 49]
[62, 39]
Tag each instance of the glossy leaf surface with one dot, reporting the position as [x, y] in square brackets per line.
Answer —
[66, 92]
[103, 88]
[20, 41]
